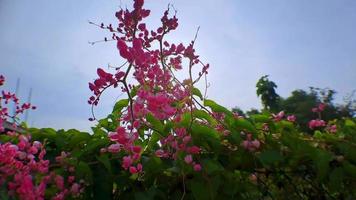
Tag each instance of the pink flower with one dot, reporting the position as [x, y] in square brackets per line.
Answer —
[278, 117]
[256, 144]
[126, 162]
[75, 189]
[188, 159]
[332, 128]
[114, 148]
[71, 179]
[291, 118]
[136, 149]
[32, 150]
[2, 80]
[316, 123]
[59, 182]
[133, 170]
[251, 145]
[187, 139]
[139, 167]
[197, 167]
[161, 154]
[193, 150]
[321, 107]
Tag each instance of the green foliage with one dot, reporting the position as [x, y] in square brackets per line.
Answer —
[287, 163]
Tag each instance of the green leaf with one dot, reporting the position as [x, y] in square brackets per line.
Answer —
[4, 138]
[83, 171]
[104, 123]
[3, 194]
[104, 159]
[270, 158]
[152, 165]
[197, 92]
[350, 123]
[44, 133]
[186, 119]
[133, 91]
[146, 195]
[153, 140]
[103, 183]
[318, 134]
[199, 189]
[201, 114]
[120, 105]
[336, 177]
[98, 132]
[94, 146]
[217, 108]
[168, 127]
[206, 136]
[321, 161]
[156, 124]
[211, 166]
[78, 138]
[205, 188]
[260, 118]
[350, 170]
[243, 124]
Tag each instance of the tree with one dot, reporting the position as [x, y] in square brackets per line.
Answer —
[269, 97]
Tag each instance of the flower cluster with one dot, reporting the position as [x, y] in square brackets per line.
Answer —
[151, 60]
[316, 123]
[125, 141]
[249, 144]
[5, 98]
[281, 115]
[25, 171]
[179, 143]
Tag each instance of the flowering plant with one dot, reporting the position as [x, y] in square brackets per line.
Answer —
[166, 140]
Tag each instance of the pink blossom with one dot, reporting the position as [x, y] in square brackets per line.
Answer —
[136, 149]
[316, 123]
[321, 107]
[197, 167]
[114, 148]
[187, 139]
[161, 154]
[75, 189]
[291, 118]
[188, 159]
[193, 150]
[59, 182]
[332, 128]
[126, 162]
[278, 117]
[133, 170]
[251, 145]
[71, 179]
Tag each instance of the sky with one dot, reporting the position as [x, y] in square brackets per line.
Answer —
[299, 43]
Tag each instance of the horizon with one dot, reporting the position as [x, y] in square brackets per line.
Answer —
[298, 43]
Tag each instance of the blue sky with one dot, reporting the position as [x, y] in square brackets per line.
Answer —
[299, 43]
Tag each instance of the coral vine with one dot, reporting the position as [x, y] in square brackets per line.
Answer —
[159, 92]
[23, 167]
